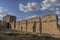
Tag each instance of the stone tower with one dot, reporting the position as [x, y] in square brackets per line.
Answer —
[11, 20]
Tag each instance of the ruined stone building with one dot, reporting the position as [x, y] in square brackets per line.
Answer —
[48, 24]
[11, 20]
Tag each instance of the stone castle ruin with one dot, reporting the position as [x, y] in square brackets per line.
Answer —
[48, 24]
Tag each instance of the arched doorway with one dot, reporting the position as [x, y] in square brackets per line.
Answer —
[8, 26]
[21, 28]
[34, 27]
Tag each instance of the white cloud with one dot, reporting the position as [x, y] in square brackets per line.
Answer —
[1, 10]
[58, 4]
[59, 17]
[34, 6]
[46, 4]
[57, 11]
[1, 16]
[4, 12]
[9, 13]
[50, 4]
[32, 16]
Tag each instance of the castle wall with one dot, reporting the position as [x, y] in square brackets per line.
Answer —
[17, 25]
[47, 25]
[34, 22]
[50, 24]
[23, 26]
[3, 26]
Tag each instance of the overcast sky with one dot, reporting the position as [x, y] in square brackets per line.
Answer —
[24, 9]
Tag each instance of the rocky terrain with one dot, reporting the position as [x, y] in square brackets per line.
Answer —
[24, 36]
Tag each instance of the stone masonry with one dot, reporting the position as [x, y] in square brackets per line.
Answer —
[48, 24]
[11, 20]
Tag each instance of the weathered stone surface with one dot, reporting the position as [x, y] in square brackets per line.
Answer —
[3, 26]
[17, 25]
[23, 25]
[50, 24]
[34, 25]
[11, 20]
[28, 25]
[46, 25]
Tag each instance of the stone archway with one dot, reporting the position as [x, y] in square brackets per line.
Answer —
[21, 28]
[34, 27]
[8, 26]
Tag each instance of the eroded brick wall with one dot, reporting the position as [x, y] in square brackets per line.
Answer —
[34, 22]
[50, 24]
[28, 25]
[4, 26]
[17, 25]
[23, 25]
[11, 20]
